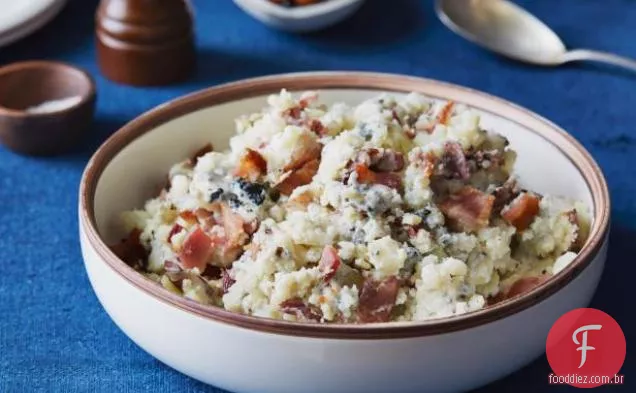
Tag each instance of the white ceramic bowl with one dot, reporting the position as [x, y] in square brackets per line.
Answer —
[300, 19]
[248, 354]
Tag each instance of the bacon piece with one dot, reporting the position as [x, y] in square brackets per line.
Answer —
[521, 286]
[426, 162]
[453, 162]
[302, 310]
[377, 299]
[188, 216]
[521, 211]
[130, 249]
[525, 284]
[504, 195]
[171, 267]
[329, 262]
[251, 166]
[367, 176]
[176, 228]
[233, 225]
[293, 112]
[205, 217]
[228, 245]
[307, 149]
[196, 250]
[573, 218]
[467, 210]
[395, 117]
[251, 227]
[317, 127]
[228, 281]
[297, 177]
[200, 153]
[444, 115]
[309, 97]
[391, 180]
[385, 160]
[301, 200]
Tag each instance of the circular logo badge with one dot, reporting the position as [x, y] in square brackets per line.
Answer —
[586, 348]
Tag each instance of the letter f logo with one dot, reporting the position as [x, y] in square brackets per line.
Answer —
[584, 347]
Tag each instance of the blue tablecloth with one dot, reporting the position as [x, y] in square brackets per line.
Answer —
[54, 335]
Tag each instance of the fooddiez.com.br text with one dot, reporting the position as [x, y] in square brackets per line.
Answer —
[585, 379]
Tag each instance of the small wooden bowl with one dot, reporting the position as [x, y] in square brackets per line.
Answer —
[51, 131]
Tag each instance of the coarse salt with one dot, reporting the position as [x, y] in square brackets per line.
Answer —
[54, 105]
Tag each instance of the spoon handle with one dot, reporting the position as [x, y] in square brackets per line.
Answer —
[603, 57]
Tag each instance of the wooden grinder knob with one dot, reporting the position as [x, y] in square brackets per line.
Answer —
[145, 42]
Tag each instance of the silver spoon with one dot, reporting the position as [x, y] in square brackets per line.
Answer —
[509, 30]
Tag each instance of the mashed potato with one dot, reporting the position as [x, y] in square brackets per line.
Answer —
[398, 209]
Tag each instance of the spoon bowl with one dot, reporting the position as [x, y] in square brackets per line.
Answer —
[511, 31]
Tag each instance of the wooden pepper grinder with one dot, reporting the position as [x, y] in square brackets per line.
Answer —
[145, 42]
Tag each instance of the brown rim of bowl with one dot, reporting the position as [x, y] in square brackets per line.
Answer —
[362, 81]
[88, 95]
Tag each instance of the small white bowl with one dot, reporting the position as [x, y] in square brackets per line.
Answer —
[300, 19]
[248, 354]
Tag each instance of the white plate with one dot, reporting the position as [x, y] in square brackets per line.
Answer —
[19, 18]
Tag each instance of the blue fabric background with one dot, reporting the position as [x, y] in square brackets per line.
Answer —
[54, 335]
